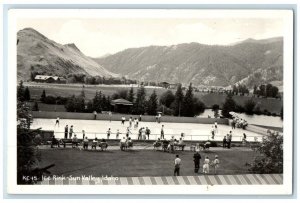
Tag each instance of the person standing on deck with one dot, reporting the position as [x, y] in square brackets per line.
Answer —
[71, 132]
[83, 134]
[215, 164]
[66, 131]
[206, 165]
[148, 132]
[177, 163]
[197, 158]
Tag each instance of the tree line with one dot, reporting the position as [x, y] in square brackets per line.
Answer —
[178, 104]
[250, 107]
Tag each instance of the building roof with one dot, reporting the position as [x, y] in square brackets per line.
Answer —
[121, 102]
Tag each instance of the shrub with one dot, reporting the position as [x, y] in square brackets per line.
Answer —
[49, 100]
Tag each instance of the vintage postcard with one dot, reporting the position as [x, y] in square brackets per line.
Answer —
[150, 101]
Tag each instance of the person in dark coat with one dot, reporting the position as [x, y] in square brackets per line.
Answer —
[197, 158]
[66, 131]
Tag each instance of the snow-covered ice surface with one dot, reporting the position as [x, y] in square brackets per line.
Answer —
[98, 128]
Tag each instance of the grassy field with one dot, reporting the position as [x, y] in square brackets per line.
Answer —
[137, 163]
[270, 104]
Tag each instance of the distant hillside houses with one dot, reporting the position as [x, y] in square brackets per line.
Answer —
[49, 79]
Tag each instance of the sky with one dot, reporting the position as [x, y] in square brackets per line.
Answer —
[98, 37]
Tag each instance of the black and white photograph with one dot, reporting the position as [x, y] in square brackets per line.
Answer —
[198, 99]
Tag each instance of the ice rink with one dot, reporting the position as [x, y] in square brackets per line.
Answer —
[98, 128]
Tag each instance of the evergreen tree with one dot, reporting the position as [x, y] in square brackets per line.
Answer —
[27, 152]
[215, 109]
[188, 103]
[177, 105]
[228, 106]
[198, 106]
[249, 106]
[167, 98]
[70, 104]
[27, 94]
[139, 105]
[21, 92]
[35, 106]
[97, 105]
[152, 104]
[130, 96]
[43, 96]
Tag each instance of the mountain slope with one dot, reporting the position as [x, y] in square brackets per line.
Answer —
[35, 52]
[198, 63]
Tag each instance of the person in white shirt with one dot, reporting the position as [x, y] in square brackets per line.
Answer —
[177, 163]
[206, 165]
[143, 133]
[216, 163]
[216, 127]
[130, 122]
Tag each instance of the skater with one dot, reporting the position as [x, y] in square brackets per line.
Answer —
[213, 132]
[244, 140]
[71, 132]
[128, 132]
[216, 127]
[57, 121]
[130, 122]
[177, 165]
[162, 133]
[117, 134]
[140, 118]
[95, 115]
[123, 120]
[215, 164]
[66, 131]
[206, 165]
[83, 134]
[233, 124]
[159, 117]
[108, 133]
[229, 138]
[148, 132]
[197, 158]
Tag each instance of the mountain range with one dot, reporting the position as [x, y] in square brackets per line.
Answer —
[248, 62]
[35, 52]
